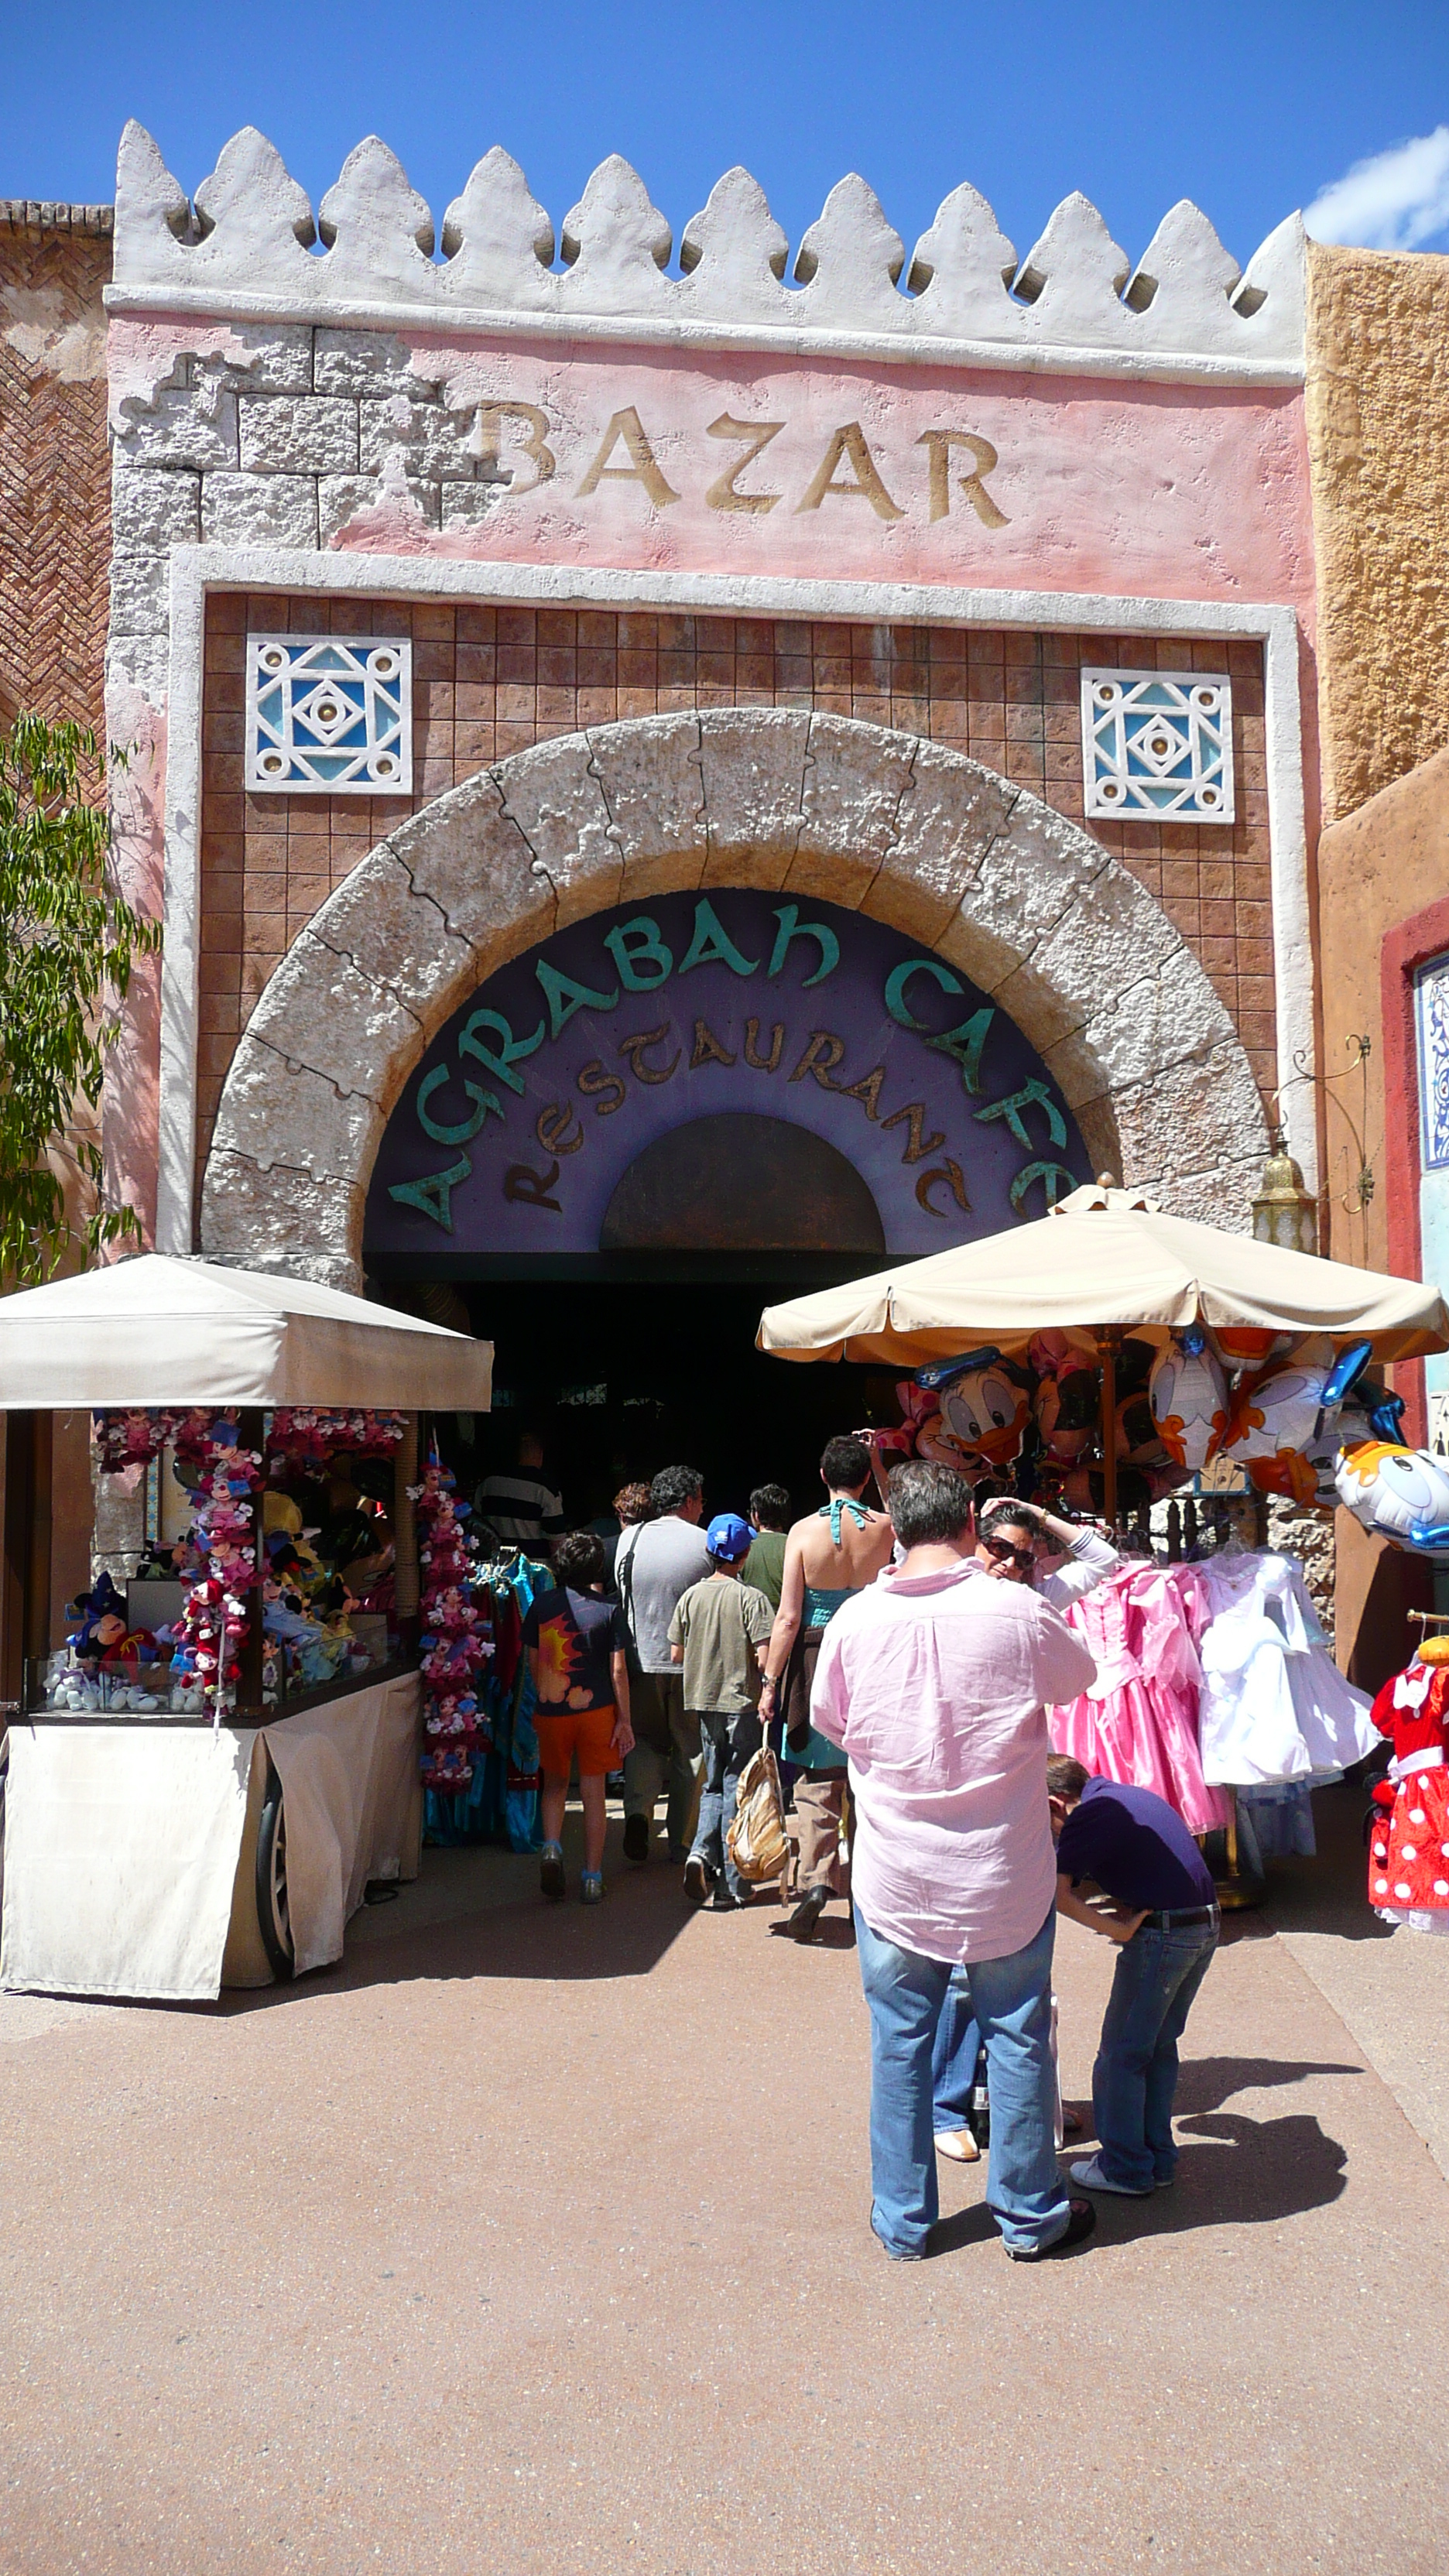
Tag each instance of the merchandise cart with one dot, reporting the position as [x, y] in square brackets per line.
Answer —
[170, 1842]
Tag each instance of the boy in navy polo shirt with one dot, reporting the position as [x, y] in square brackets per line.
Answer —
[1165, 1920]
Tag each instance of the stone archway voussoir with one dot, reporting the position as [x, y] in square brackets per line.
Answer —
[752, 762]
[276, 1112]
[555, 797]
[283, 1220]
[468, 856]
[650, 772]
[1025, 902]
[951, 815]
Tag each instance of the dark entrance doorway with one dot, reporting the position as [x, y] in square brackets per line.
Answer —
[734, 1183]
[621, 1378]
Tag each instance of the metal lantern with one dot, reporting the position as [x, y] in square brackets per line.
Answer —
[1284, 1211]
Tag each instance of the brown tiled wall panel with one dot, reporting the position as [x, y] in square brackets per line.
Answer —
[487, 682]
[55, 475]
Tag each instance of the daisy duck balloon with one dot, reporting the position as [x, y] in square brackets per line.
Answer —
[1188, 1394]
[1281, 1418]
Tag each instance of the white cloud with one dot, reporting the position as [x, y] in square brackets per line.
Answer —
[1398, 200]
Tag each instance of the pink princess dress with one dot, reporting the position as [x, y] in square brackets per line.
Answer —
[1139, 1722]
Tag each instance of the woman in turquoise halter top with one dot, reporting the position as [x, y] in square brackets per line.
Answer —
[829, 1555]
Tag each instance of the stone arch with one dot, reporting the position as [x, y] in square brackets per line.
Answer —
[1027, 904]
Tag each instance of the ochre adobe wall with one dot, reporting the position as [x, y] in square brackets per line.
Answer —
[491, 681]
[55, 476]
[1378, 432]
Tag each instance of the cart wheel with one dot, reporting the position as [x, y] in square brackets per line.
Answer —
[272, 1914]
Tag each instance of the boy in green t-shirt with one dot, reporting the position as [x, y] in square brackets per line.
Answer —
[719, 1633]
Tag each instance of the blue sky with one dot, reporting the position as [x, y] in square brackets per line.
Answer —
[1251, 110]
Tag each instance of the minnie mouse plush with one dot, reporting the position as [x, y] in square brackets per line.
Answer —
[1408, 1878]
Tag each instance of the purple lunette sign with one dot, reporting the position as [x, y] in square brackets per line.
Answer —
[528, 1123]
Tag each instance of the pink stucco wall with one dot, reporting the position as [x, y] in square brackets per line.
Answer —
[1179, 492]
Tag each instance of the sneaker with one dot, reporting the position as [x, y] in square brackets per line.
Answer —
[724, 1899]
[696, 1880]
[1092, 2178]
[636, 1840]
[551, 1880]
[1079, 2226]
[591, 1887]
[1164, 2182]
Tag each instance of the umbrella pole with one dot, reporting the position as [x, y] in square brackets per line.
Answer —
[1109, 1343]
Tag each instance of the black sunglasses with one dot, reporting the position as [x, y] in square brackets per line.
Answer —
[1005, 1553]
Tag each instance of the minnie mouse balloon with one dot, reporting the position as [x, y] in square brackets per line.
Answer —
[1189, 1398]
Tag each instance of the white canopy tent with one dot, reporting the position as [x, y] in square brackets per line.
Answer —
[132, 1852]
[154, 1330]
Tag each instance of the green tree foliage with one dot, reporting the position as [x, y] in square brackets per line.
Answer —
[67, 946]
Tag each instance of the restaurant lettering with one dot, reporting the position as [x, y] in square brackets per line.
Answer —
[637, 1022]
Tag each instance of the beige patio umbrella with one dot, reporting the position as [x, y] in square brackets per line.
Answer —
[1103, 1263]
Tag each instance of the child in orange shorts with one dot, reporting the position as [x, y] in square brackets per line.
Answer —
[575, 1644]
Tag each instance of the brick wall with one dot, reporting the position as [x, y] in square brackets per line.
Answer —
[55, 482]
[488, 682]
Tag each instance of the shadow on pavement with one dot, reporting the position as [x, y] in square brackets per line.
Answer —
[1207, 2082]
[513, 1935]
[1253, 2173]
[1258, 2171]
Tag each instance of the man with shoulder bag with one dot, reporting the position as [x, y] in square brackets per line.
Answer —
[657, 1561]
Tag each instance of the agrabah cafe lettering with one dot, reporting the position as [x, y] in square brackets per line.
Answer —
[883, 1048]
[955, 461]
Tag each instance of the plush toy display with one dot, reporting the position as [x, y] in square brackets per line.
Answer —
[1188, 1394]
[1408, 1868]
[454, 1647]
[1398, 1494]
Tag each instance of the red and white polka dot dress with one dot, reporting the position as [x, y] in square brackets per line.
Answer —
[1408, 1873]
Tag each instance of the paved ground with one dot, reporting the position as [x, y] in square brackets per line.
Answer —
[537, 2241]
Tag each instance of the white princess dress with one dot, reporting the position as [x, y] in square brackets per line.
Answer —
[1274, 1705]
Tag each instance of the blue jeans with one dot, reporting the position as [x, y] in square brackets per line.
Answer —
[727, 1742]
[1011, 2000]
[1135, 2077]
[955, 2058]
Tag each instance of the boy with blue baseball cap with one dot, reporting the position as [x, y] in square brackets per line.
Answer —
[719, 1632]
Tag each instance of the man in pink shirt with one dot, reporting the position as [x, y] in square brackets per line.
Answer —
[935, 1683]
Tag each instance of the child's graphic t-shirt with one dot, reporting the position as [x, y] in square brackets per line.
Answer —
[575, 1634]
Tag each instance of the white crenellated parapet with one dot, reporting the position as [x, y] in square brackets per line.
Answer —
[244, 250]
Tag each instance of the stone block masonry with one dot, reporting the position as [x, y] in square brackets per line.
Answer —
[492, 681]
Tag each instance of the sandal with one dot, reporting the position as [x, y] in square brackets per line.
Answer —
[958, 2145]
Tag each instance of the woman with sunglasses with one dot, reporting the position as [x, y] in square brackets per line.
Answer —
[1016, 1542]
